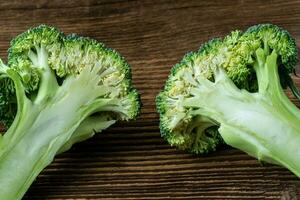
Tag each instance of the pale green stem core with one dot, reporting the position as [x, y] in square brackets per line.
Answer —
[265, 124]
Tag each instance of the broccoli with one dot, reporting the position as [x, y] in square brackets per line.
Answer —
[56, 90]
[231, 91]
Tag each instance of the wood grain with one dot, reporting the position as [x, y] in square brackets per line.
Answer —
[130, 160]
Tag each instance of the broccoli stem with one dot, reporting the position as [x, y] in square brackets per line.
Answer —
[44, 128]
[273, 135]
[263, 124]
[268, 147]
[34, 150]
[271, 145]
[40, 139]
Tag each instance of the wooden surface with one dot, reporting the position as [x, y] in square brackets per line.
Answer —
[130, 160]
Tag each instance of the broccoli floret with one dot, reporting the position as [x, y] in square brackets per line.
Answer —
[197, 134]
[58, 90]
[234, 86]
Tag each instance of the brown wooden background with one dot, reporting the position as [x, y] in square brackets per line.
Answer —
[130, 160]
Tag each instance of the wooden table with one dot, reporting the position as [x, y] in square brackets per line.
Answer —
[131, 160]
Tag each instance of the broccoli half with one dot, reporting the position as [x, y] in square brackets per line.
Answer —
[65, 89]
[232, 90]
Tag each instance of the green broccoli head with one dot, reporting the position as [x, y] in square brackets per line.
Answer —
[57, 90]
[44, 48]
[236, 54]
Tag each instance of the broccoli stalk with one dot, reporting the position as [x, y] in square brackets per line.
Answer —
[264, 124]
[232, 90]
[59, 110]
